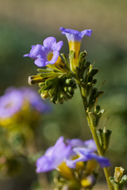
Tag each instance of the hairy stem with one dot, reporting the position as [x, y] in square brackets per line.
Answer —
[94, 135]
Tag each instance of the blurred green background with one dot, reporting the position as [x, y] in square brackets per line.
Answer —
[28, 22]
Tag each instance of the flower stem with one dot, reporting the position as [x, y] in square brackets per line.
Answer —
[116, 187]
[94, 135]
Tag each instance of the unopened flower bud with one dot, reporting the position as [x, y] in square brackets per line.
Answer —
[118, 174]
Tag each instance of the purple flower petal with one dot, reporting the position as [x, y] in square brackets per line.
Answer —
[10, 103]
[90, 144]
[41, 54]
[49, 41]
[75, 142]
[44, 164]
[69, 31]
[57, 46]
[104, 162]
[26, 55]
[86, 32]
[53, 157]
[86, 154]
[35, 51]
[40, 62]
[75, 35]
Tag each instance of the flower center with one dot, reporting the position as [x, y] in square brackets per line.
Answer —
[8, 105]
[49, 56]
[65, 170]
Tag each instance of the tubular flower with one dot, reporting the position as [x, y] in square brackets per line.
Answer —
[74, 38]
[69, 153]
[45, 54]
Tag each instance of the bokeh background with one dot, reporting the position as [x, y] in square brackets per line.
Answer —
[28, 22]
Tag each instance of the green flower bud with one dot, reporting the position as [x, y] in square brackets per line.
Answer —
[104, 138]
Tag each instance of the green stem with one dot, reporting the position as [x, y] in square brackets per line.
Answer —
[95, 137]
[116, 187]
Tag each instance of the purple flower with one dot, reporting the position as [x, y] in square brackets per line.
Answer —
[74, 35]
[10, 103]
[65, 152]
[74, 38]
[34, 100]
[47, 53]
[86, 154]
[54, 156]
[14, 99]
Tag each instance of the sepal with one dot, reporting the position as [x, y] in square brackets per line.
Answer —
[85, 74]
[104, 138]
[55, 81]
[95, 115]
[94, 94]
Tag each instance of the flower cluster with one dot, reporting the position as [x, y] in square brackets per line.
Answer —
[55, 78]
[46, 54]
[76, 161]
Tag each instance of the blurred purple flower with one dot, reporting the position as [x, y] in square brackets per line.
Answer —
[54, 156]
[47, 53]
[10, 103]
[65, 152]
[34, 100]
[13, 100]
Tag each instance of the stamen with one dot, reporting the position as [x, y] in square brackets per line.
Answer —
[49, 56]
